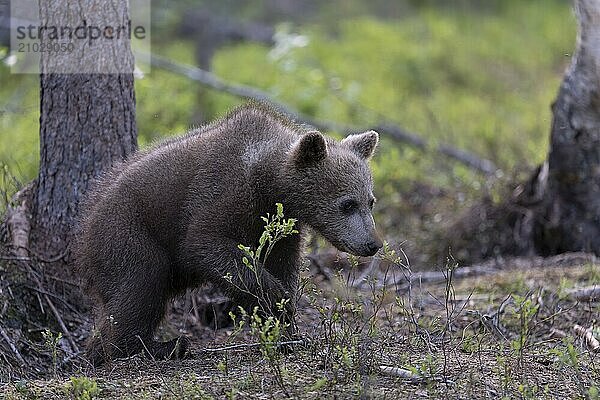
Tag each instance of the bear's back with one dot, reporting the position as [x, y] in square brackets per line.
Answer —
[159, 189]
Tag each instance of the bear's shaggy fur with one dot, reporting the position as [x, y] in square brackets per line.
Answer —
[172, 217]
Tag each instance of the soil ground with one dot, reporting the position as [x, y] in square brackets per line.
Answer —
[500, 330]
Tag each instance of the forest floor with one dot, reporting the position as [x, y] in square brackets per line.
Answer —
[504, 329]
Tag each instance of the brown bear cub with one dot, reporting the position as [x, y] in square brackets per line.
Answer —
[172, 217]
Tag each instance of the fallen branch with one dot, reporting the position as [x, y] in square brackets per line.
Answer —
[591, 293]
[243, 346]
[403, 283]
[62, 325]
[413, 377]
[401, 373]
[12, 346]
[517, 263]
[14, 258]
[212, 81]
[588, 336]
[464, 157]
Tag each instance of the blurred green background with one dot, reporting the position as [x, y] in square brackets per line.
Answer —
[479, 75]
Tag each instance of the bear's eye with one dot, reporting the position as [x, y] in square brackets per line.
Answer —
[349, 206]
[372, 202]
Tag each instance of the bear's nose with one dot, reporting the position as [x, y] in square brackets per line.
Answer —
[374, 245]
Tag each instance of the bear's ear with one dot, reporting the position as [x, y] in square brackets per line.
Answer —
[363, 144]
[310, 149]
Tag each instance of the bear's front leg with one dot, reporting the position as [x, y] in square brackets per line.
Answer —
[284, 264]
[222, 265]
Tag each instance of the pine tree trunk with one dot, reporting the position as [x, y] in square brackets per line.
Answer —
[558, 209]
[87, 119]
[570, 218]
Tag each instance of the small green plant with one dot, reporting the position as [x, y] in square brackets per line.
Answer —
[223, 365]
[231, 394]
[268, 331]
[526, 310]
[515, 285]
[82, 388]
[592, 273]
[191, 388]
[51, 341]
[504, 370]
[527, 391]
[470, 344]
[23, 389]
[276, 228]
[568, 356]
[563, 288]
[593, 393]
[266, 328]
[319, 383]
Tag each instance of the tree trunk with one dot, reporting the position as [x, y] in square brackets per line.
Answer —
[558, 209]
[87, 119]
[570, 218]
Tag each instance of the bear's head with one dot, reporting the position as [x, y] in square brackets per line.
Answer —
[332, 189]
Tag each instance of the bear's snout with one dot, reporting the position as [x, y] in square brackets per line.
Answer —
[367, 249]
[374, 246]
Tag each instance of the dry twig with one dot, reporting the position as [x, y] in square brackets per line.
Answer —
[588, 336]
[12, 346]
[243, 346]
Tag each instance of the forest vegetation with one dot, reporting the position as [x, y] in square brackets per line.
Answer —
[423, 318]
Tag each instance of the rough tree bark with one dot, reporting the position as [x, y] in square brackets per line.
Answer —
[87, 120]
[570, 220]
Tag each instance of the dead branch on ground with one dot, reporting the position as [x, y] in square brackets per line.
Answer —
[588, 336]
[586, 294]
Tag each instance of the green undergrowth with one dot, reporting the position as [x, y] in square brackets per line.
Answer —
[368, 330]
[481, 81]
[479, 76]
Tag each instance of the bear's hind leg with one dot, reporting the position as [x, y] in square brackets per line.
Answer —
[135, 310]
